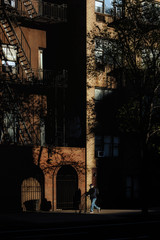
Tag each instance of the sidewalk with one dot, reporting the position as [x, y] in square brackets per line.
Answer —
[65, 218]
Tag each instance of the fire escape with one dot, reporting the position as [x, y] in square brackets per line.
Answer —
[16, 73]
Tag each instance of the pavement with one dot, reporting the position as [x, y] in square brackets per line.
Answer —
[66, 218]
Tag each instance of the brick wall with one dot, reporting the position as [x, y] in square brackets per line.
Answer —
[94, 79]
[51, 160]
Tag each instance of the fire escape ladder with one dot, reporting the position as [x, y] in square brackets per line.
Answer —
[24, 133]
[7, 94]
[24, 58]
[30, 8]
[22, 126]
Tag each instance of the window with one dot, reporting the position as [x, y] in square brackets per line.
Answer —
[107, 52]
[13, 3]
[9, 58]
[10, 128]
[10, 2]
[40, 64]
[31, 191]
[108, 8]
[102, 50]
[99, 6]
[150, 58]
[132, 187]
[109, 145]
[99, 51]
[42, 133]
[104, 6]
[100, 93]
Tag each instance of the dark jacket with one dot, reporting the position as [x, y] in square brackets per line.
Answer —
[92, 192]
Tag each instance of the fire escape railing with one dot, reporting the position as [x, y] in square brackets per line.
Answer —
[11, 104]
[54, 11]
[38, 9]
[21, 130]
[25, 131]
[29, 7]
[23, 126]
[24, 51]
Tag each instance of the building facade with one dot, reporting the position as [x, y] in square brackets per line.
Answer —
[58, 100]
[42, 171]
[112, 155]
[103, 143]
[111, 161]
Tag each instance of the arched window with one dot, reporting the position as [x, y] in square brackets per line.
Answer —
[30, 194]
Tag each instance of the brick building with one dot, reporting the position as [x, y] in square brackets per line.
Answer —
[110, 154]
[41, 168]
[112, 160]
[49, 148]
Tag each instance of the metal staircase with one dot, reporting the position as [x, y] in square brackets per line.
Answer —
[23, 54]
[30, 8]
[23, 128]
[16, 125]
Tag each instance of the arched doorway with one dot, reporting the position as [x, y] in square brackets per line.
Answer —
[67, 185]
[30, 194]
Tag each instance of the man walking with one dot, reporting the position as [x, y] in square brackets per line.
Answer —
[93, 196]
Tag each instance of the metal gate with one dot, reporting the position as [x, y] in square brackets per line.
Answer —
[30, 194]
[67, 186]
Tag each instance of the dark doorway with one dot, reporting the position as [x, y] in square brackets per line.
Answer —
[67, 185]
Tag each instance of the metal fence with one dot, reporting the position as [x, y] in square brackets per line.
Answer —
[30, 194]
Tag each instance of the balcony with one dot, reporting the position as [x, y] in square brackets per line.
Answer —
[14, 75]
[36, 9]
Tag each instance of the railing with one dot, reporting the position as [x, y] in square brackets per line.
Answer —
[54, 11]
[46, 10]
[55, 78]
[22, 44]
[19, 127]
[20, 37]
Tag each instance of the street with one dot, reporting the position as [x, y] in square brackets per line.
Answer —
[84, 226]
[142, 230]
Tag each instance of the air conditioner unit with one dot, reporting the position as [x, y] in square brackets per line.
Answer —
[100, 154]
